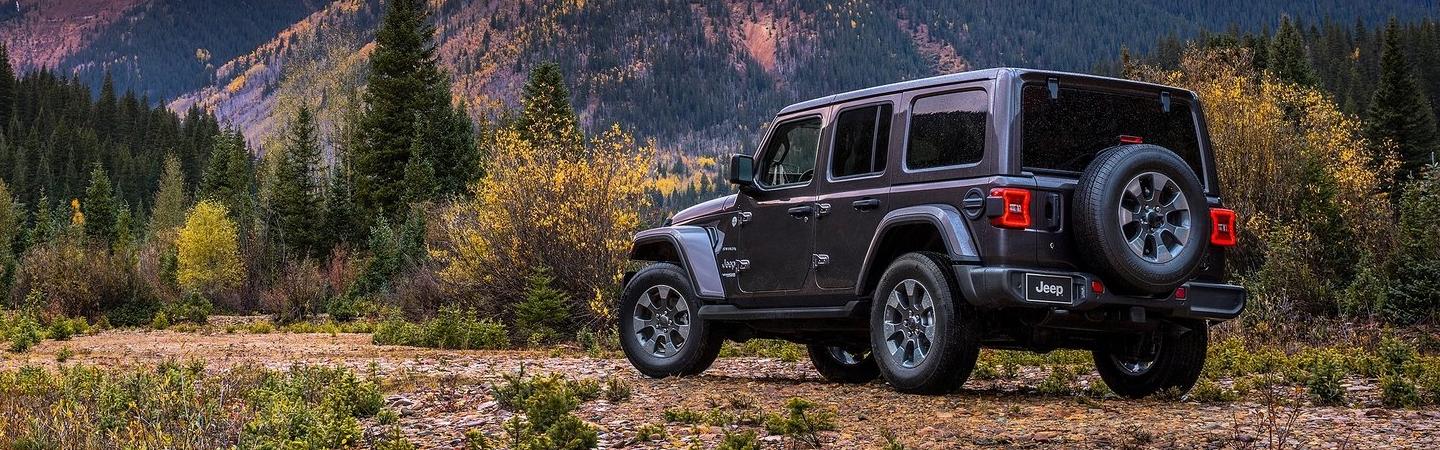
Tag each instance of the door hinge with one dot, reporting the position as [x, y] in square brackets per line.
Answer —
[820, 259]
[741, 218]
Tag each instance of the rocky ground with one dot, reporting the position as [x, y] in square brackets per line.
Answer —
[441, 394]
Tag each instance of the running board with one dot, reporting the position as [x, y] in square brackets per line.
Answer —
[732, 313]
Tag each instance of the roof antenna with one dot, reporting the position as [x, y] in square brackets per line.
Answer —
[1054, 85]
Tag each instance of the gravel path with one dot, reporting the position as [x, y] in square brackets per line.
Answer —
[440, 394]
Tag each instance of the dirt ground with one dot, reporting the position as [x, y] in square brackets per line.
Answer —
[441, 394]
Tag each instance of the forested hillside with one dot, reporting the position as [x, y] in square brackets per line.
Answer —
[700, 76]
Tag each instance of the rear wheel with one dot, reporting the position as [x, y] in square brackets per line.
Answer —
[1171, 359]
[924, 336]
[844, 364]
[661, 331]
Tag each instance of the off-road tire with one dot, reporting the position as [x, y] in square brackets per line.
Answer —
[697, 353]
[1177, 363]
[954, 346]
[1099, 236]
[861, 371]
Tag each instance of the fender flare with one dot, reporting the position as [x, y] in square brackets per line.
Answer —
[694, 252]
[954, 232]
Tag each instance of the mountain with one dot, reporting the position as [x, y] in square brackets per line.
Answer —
[694, 74]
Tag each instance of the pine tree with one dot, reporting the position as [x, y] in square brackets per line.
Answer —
[170, 202]
[548, 119]
[230, 179]
[406, 88]
[106, 109]
[7, 86]
[342, 221]
[1398, 112]
[419, 177]
[296, 199]
[1288, 60]
[9, 225]
[99, 206]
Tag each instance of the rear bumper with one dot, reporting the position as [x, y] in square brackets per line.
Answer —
[1004, 287]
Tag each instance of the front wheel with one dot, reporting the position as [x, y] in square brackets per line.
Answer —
[661, 331]
[844, 364]
[1169, 360]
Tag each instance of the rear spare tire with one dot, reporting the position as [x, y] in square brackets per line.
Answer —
[1140, 219]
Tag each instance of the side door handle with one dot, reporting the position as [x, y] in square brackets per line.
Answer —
[866, 204]
[802, 212]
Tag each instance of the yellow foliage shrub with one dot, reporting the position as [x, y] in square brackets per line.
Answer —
[547, 204]
[208, 249]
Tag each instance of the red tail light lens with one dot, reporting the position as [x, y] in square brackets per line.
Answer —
[1015, 208]
[1127, 139]
[1222, 227]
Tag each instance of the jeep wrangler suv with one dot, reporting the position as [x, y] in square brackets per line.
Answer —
[896, 230]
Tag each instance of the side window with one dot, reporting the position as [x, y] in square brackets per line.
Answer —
[862, 138]
[947, 130]
[789, 157]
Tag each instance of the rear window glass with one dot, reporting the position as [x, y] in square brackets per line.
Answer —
[947, 130]
[1066, 133]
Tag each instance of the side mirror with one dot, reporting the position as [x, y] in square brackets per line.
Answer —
[742, 172]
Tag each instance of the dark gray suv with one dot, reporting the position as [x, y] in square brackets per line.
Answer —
[896, 230]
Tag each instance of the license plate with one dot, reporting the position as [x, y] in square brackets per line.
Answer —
[1047, 288]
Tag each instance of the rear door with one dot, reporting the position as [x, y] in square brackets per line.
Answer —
[851, 200]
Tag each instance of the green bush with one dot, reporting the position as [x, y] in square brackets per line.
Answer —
[23, 333]
[548, 403]
[650, 432]
[1326, 371]
[1395, 354]
[801, 421]
[1061, 381]
[1414, 295]
[310, 407]
[745, 440]
[175, 405]
[1396, 391]
[1208, 391]
[343, 308]
[192, 308]
[544, 314]
[160, 322]
[452, 328]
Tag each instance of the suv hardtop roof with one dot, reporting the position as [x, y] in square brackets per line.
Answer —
[974, 75]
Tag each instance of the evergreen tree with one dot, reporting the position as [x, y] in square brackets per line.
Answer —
[168, 212]
[406, 88]
[1398, 111]
[1287, 58]
[99, 206]
[296, 199]
[342, 221]
[9, 226]
[548, 119]
[230, 179]
[7, 87]
[419, 177]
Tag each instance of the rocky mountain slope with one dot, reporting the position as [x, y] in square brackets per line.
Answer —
[695, 74]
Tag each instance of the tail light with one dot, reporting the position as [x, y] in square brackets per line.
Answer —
[1222, 227]
[1009, 208]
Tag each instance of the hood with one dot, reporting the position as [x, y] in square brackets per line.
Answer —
[702, 210]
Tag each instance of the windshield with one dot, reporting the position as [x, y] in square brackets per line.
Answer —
[1065, 134]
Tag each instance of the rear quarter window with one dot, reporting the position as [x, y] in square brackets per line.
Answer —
[1066, 133]
[947, 130]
